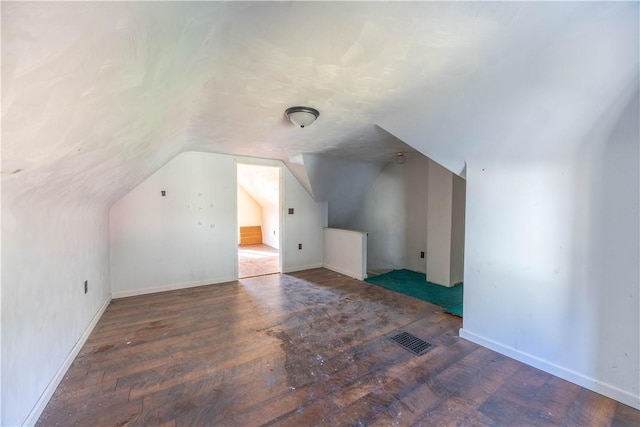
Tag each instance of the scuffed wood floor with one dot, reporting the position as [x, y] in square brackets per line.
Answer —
[303, 349]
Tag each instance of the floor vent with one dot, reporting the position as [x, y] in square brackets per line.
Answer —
[412, 343]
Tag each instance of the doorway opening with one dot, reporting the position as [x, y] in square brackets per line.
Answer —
[258, 210]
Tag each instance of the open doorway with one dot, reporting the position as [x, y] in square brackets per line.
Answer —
[258, 198]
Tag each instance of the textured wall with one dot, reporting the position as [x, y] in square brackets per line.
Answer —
[394, 212]
[303, 227]
[188, 238]
[382, 214]
[554, 248]
[341, 183]
[48, 252]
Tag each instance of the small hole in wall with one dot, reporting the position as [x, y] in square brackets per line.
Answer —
[290, 211]
[163, 193]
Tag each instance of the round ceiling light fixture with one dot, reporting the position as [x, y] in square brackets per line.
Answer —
[302, 116]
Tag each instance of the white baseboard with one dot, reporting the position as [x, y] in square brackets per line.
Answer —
[567, 374]
[351, 274]
[171, 287]
[37, 409]
[301, 268]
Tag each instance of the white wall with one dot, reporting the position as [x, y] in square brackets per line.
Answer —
[396, 212]
[551, 253]
[188, 238]
[345, 251]
[249, 211]
[552, 261]
[271, 226]
[341, 183]
[382, 214]
[304, 226]
[185, 239]
[48, 251]
[445, 226]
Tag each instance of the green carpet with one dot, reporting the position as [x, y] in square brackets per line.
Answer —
[415, 284]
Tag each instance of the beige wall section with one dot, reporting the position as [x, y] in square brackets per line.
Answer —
[415, 178]
[457, 229]
[249, 211]
[271, 226]
[439, 216]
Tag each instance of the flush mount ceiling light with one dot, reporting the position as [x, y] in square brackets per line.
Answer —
[301, 116]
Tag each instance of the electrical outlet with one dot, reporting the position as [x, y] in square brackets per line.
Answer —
[421, 254]
[290, 211]
[163, 193]
[299, 245]
[86, 286]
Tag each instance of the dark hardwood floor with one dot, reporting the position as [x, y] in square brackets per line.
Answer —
[303, 349]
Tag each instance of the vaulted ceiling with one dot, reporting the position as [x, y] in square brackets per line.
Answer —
[97, 96]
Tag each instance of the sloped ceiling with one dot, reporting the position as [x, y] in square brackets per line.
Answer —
[539, 97]
[97, 96]
[261, 182]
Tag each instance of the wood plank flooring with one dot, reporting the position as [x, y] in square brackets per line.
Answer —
[303, 349]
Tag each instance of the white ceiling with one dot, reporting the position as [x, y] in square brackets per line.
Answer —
[261, 182]
[97, 96]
